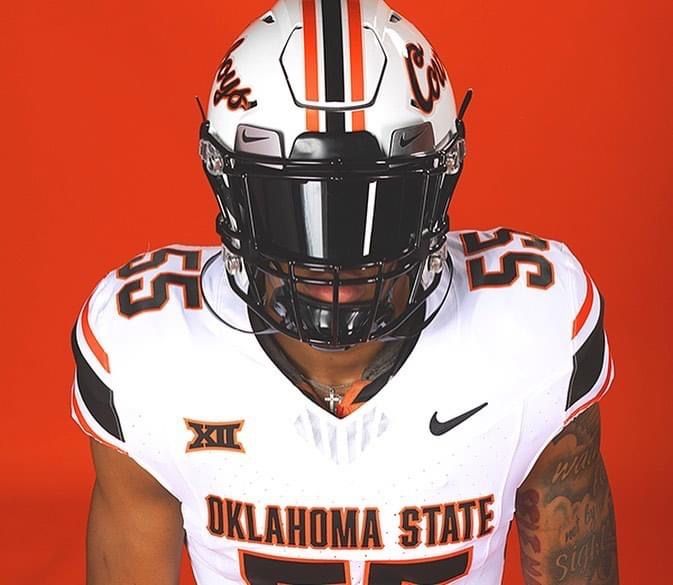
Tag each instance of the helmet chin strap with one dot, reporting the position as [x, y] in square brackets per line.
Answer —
[317, 315]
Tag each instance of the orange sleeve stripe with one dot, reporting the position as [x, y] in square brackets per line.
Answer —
[311, 62]
[584, 311]
[595, 399]
[94, 345]
[85, 426]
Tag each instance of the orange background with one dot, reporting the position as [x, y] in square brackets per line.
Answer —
[569, 137]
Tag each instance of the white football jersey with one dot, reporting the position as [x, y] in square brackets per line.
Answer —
[417, 485]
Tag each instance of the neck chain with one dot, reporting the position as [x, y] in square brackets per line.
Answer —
[334, 392]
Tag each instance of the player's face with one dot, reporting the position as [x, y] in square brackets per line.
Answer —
[321, 289]
[353, 289]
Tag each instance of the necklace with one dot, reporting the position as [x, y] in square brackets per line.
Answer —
[334, 392]
[333, 399]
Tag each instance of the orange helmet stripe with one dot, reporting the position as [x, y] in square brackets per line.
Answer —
[357, 61]
[311, 62]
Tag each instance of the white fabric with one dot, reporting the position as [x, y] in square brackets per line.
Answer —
[510, 347]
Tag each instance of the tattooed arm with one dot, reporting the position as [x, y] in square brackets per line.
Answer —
[565, 514]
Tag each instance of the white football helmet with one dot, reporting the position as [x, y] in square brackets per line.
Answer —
[333, 146]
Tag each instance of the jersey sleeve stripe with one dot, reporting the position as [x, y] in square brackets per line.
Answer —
[604, 388]
[585, 309]
[97, 397]
[94, 345]
[80, 419]
[588, 363]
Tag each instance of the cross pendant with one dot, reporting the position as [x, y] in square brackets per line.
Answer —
[333, 399]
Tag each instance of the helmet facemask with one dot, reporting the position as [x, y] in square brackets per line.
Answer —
[340, 249]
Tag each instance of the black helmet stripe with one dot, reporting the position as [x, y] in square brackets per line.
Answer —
[333, 48]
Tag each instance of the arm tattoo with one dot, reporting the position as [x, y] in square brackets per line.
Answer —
[565, 513]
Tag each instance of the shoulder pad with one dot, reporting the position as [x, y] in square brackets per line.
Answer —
[116, 318]
[541, 296]
[593, 369]
[93, 404]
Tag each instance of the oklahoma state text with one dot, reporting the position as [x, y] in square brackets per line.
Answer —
[348, 528]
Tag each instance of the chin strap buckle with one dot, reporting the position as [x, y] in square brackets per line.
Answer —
[434, 265]
[437, 260]
[212, 158]
[456, 156]
[232, 262]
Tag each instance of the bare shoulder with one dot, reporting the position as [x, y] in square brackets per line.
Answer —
[565, 512]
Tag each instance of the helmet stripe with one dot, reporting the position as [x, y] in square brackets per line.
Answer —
[332, 29]
[311, 63]
[356, 61]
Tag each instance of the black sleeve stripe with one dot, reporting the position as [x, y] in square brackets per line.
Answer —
[97, 396]
[587, 363]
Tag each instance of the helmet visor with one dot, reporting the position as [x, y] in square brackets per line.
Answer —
[344, 221]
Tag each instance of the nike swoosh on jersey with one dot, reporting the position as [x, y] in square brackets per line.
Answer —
[438, 428]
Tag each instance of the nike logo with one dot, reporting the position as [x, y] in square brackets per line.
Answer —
[248, 139]
[404, 142]
[439, 428]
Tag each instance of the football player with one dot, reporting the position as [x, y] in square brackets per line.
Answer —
[346, 392]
